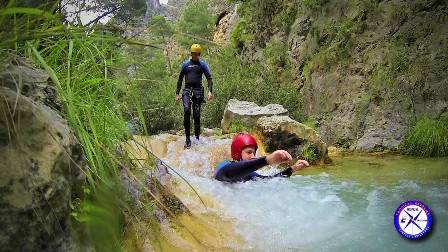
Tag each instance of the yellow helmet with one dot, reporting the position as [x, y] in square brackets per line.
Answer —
[196, 48]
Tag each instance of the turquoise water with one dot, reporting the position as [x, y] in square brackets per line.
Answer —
[345, 207]
[378, 186]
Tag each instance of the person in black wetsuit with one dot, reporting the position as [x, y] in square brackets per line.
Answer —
[244, 164]
[193, 92]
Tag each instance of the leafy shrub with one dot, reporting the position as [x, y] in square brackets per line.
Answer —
[240, 35]
[264, 17]
[160, 27]
[241, 81]
[344, 30]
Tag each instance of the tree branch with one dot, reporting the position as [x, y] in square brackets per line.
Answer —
[116, 8]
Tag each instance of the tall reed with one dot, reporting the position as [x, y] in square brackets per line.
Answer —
[79, 62]
[428, 137]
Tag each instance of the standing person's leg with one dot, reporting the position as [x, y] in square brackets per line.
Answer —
[187, 114]
[197, 116]
[198, 99]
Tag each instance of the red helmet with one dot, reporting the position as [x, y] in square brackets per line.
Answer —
[240, 142]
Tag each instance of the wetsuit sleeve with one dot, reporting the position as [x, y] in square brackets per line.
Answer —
[239, 170]
[285, 174]
[181, 77]
[208, 75]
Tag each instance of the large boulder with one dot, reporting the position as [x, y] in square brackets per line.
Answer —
[247, 113]
[301, 141]
[41, 172]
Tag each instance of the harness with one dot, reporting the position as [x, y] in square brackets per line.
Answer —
[190, 94]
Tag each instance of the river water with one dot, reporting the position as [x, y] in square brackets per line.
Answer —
[348, 206]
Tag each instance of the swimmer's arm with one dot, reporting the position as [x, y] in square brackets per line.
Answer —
[240, 169]
[284, 174]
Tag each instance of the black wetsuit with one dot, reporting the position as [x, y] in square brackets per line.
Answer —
[245, 170]
[193, 93]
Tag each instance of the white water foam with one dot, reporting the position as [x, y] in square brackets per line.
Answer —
[276, 214]
[311, 213]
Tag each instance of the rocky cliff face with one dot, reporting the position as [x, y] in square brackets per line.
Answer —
[367, 69]
[173, 9]
[226, 21]
[153, 7]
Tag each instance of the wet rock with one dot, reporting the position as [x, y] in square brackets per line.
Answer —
[247, 113]
[41, 166]
[206, 132]
[209, 132]
[282, 132]
[141, 147]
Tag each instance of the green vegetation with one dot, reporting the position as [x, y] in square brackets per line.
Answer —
[196, 24]
[398, 63]
[160, 27]
[314, 4]
[241, 34]
[337, 41]
[79, 68]
[284, 19]
[428, 137]
[308, 153]
[268, 16]
[246, 82]
[84, 65]
[312, 124]
[105, 80]
[238, 126]
[275, 56]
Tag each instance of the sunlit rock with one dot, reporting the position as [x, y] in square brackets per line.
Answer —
[301, 141]
[247, 113]
[41, 172]
[227, 20]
